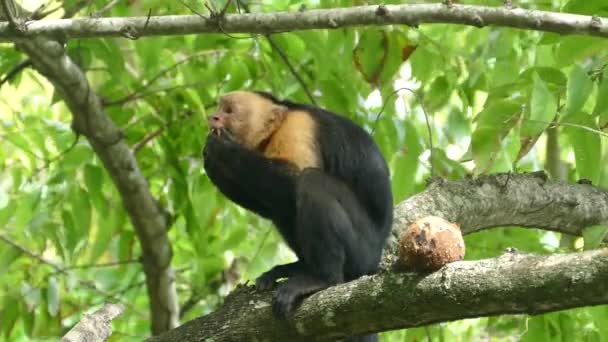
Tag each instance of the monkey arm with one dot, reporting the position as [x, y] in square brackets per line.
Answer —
[260, 184]
[223, 179]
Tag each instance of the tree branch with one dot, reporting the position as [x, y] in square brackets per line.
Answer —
[510, 284]
[65, 271]
[96, 326]
[49, 58]
[412, 15]
[9, 9]
[526, 200]
[15, 71]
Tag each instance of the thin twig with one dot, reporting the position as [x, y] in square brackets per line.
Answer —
[426, 117]
[191, 9]
[106, 8]
[149, 137]
[135, 97]
[77, 8]
[284, 57]
[152, 135]
[293, 71]
[106, 264]
[568, 124]
[60, 155]
[160, 74]
[15, 71]
[262, 243]
[61, 270]
[10, 11]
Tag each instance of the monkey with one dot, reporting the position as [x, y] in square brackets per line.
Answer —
[316, 175]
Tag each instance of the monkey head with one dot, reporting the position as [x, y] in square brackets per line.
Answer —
[247, 118]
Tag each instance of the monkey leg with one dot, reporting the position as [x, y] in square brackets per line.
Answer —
[323, 233]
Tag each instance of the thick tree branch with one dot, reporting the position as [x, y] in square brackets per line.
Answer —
[526, 200]
[49, 58]
[412, 15]
[96, 326]
[510, 284]
[513, 283]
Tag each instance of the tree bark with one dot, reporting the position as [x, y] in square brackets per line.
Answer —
[96, 326]
[411, 15]
[513, 283]
[49, 58]
[510, 284]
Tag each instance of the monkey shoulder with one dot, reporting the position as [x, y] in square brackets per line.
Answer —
[296, 141]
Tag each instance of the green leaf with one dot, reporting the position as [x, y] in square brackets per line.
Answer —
[125, 245]
[567, 326]
[438, 94]
[370, 53]
[601, 104]
[76, 157]
[7, 212]
[108, 50]
[398, 44]
[93, 179]
[10, 314]
[594, 236]
[8, 255]
[107, 226]
[81, 210]
[71, 232]
[239, 74]
[506, 71]
[587, 145]
[579, 88]
[590, 7]
[423, 61]
[573, 49]
[235, 237]
[493, 124]
[599, 316]
[211, 41]
[25, 210]
[537, 330]
[31, 296]
[405, 164]
[52, 295]
[80, 52]
[543, 108]
[547, 74]
[404, 171]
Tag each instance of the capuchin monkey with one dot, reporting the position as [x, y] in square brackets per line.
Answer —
[316, 175]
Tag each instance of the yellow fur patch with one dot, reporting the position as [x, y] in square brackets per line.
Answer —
[295, 141]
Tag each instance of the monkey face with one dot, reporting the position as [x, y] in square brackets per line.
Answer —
[246, 117]
[221, 121]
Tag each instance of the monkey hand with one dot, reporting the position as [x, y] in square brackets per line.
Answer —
[266, 281]
[219, 145]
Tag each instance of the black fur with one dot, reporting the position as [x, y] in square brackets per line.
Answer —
[335, 218]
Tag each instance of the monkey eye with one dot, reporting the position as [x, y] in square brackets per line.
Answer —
[228, 110]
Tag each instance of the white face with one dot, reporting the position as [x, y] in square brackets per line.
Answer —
[247, 117]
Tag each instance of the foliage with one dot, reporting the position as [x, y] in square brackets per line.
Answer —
[490, 94]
